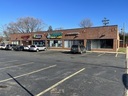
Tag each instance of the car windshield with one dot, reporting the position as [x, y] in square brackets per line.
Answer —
[32, 45]
[74, 46]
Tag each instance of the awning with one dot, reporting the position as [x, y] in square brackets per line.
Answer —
[25, 37]
[73, 33]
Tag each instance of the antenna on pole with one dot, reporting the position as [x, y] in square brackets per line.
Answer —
[105, 21]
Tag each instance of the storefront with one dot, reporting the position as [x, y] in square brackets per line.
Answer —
[38, 39]
[54, 40]
[103, 38]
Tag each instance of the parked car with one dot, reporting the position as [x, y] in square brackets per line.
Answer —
[3, 46]
[10, 46]
[18, 48]
[78, 49]
[37, 48]
[26, 48]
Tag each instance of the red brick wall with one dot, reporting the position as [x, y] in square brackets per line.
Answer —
[103, 32]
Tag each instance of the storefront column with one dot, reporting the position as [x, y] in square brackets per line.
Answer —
[62, 43]
[20, 42]
[115, 45]
[46, 43]
[32, 42]
[85, 42]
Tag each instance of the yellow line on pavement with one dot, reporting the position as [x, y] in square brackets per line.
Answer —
[9, 61]
[58, 83]
[28, 73]
[16, 65]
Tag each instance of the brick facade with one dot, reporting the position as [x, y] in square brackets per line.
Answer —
[94, 35]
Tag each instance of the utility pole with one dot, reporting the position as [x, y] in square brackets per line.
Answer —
[105, 21]
[123, 33]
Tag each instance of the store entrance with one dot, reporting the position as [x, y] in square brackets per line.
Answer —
[88, 45]
[24, 43]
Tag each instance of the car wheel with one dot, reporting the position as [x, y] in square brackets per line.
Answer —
[45, 49]
[37, 50]
[81, 52]
[12, 49]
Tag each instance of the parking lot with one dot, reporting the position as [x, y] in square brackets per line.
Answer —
[60, 73]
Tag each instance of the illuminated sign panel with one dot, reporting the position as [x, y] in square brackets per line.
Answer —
[37, 36]
[54, 35]
[25, 37]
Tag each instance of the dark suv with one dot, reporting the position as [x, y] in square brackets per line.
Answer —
[78, 49]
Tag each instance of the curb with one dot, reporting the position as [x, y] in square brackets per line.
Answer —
[88, 51]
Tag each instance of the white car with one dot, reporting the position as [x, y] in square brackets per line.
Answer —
[27, 47]
[37, 48]
[3, 46]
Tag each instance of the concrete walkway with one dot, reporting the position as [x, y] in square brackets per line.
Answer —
[89, 51]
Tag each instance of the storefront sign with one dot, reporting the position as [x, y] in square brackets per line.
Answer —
[54, 35]
[37, 36]
[25, 37]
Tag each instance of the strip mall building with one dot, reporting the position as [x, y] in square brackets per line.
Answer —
[103, 38]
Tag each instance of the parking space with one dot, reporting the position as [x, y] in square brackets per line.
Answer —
[56, 73]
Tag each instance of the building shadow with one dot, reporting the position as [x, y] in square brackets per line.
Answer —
[20, 85]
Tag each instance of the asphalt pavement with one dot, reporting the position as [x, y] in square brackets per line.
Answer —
[60, 73]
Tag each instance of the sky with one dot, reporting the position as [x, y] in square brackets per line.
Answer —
[66, 14]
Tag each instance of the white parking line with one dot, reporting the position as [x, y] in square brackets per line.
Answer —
[58, 83]
[86, 53]
[16, 65]
[28, 73]
[101, 54]
[9, 61]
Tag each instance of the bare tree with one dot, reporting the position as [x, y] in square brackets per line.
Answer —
[24, 25]
[86, 23]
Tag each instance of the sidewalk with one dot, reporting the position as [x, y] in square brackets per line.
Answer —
[88, 51]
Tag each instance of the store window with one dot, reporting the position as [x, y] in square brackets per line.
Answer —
[69, 43]
[55, 43]
[102, 43]
[16, 42]
[42, 42]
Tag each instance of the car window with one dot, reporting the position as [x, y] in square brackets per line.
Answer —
[38, 45]
[41, 45]
[32, 45]
[74, 46]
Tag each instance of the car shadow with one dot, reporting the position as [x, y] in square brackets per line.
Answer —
[69, 52]
[66, 52]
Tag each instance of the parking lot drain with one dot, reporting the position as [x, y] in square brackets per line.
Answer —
[3, 86]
